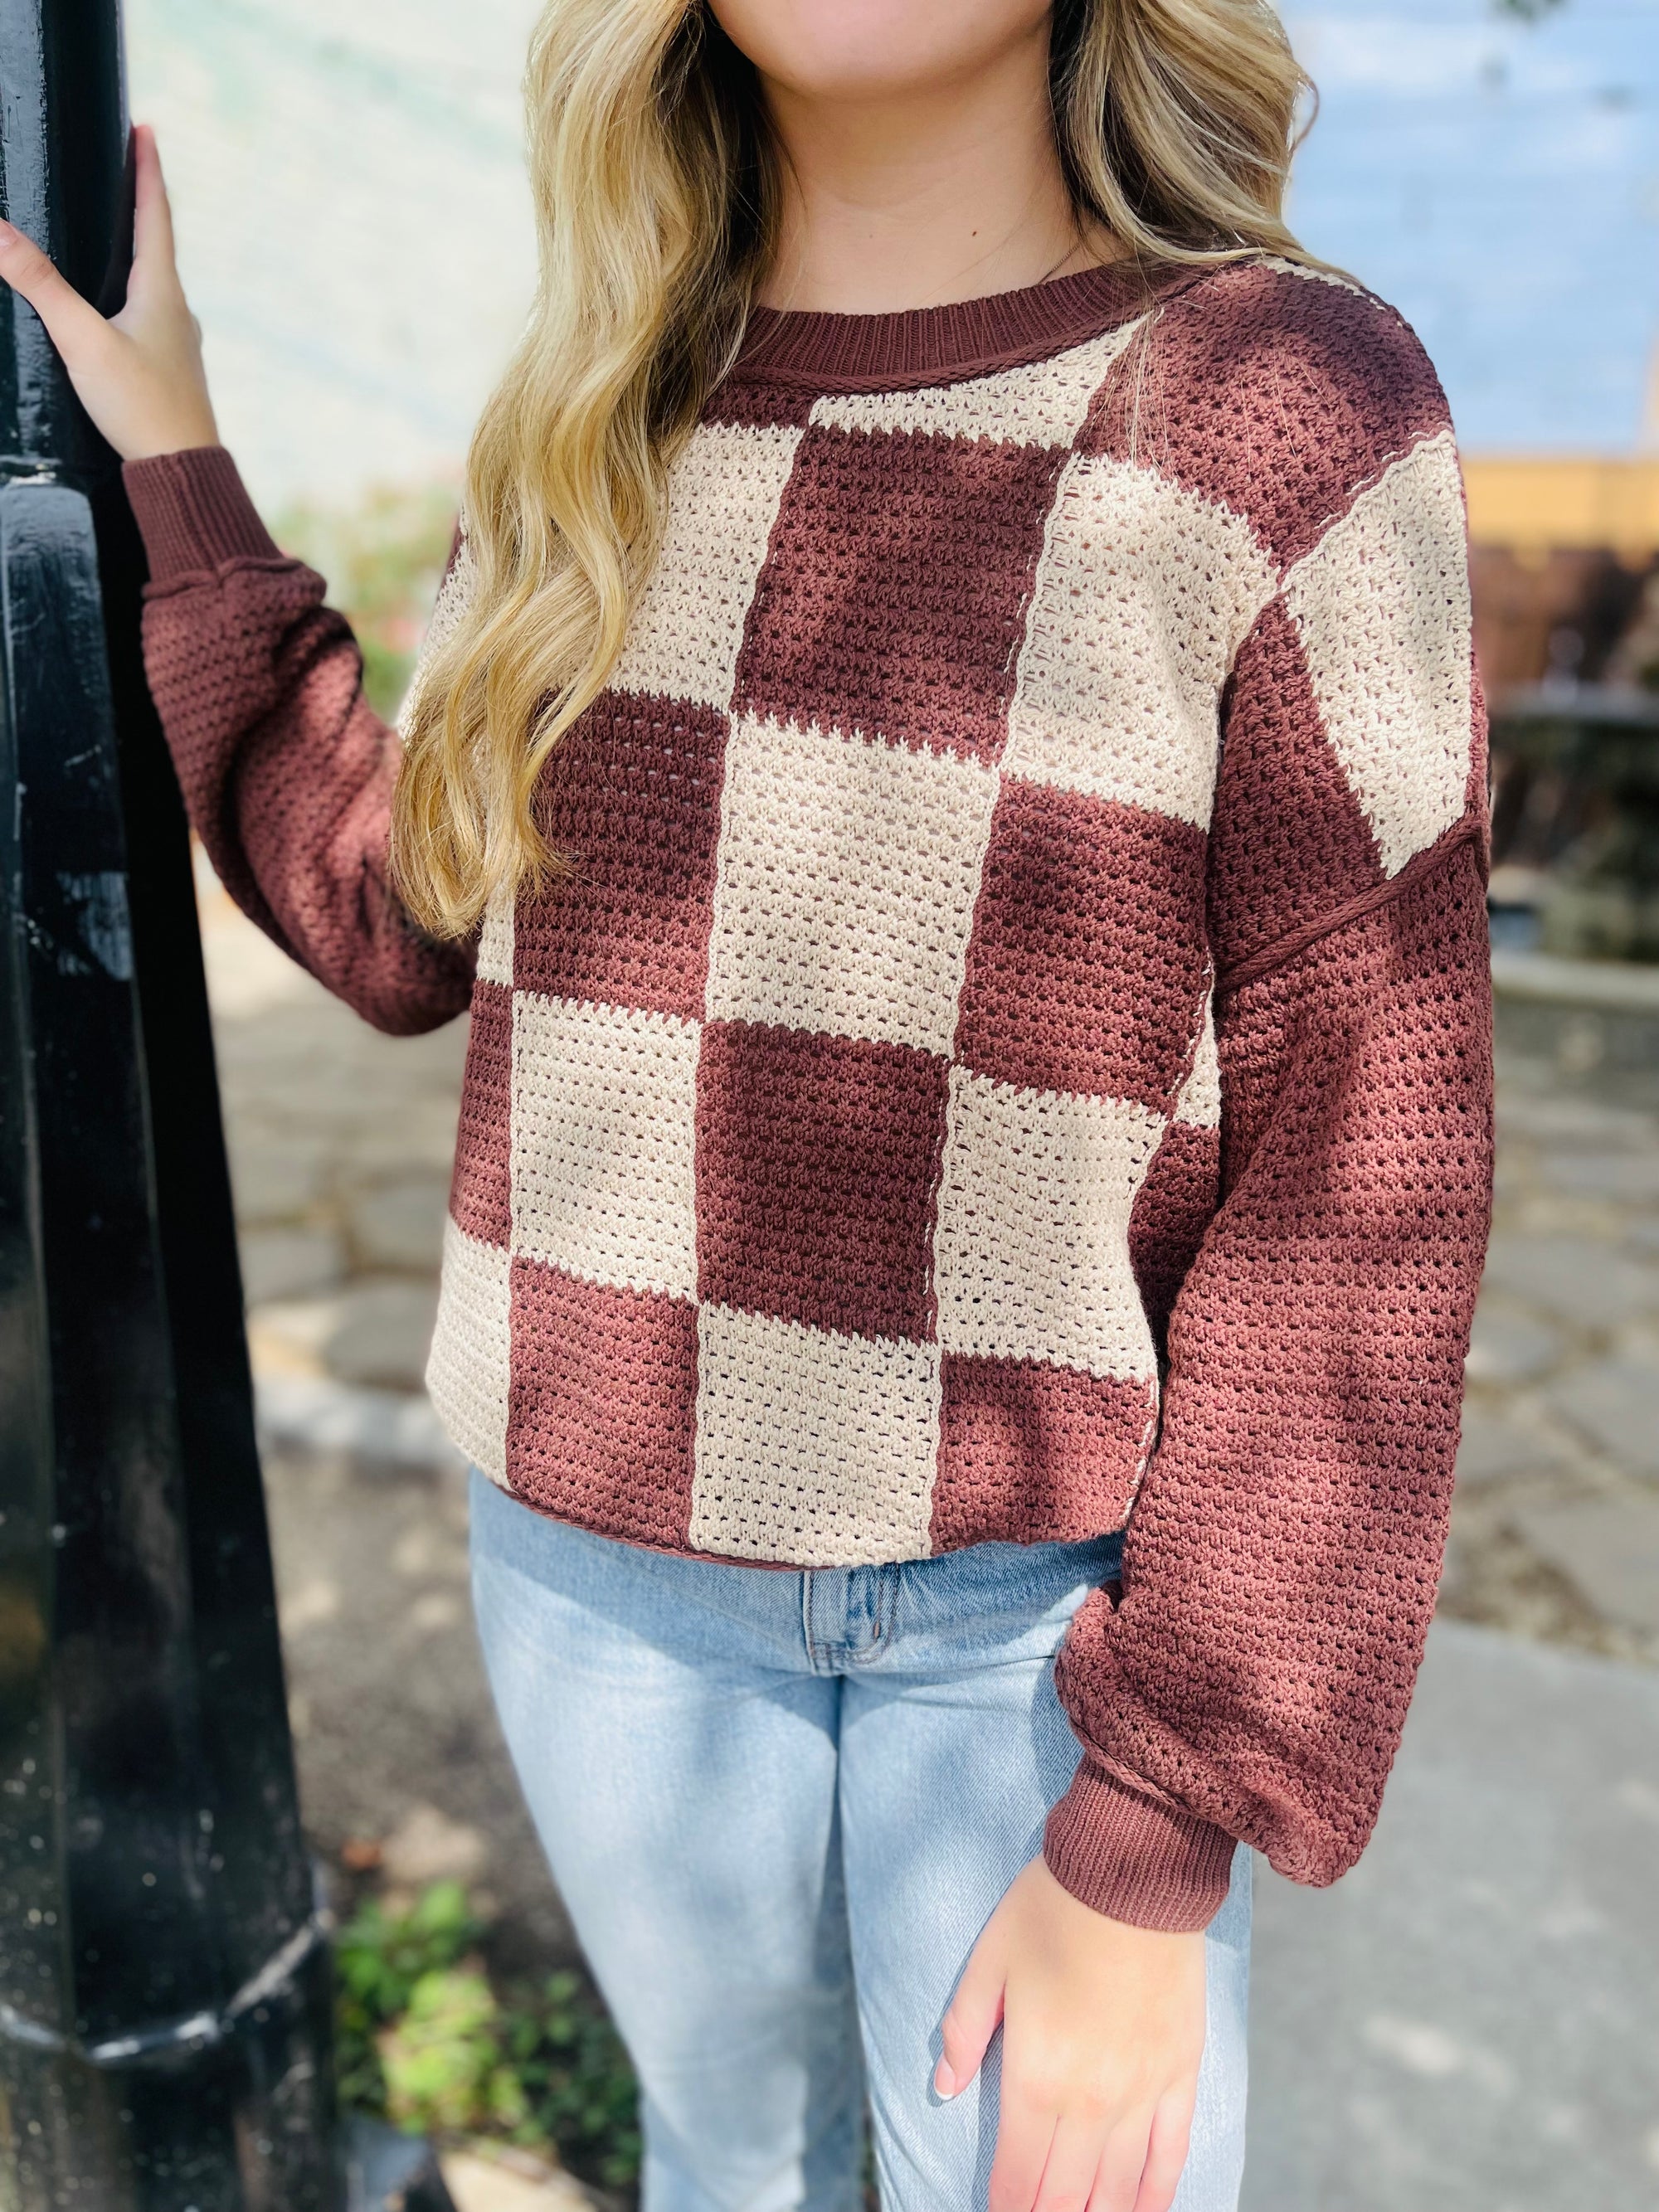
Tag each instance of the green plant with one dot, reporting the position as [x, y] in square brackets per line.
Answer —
[425, 2039]
[383, 561]
[572, 2067]
[445, 2063]
[378, 1959]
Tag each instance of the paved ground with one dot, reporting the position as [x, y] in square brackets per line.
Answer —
[1469, 2023]
[340, 1144]
[1556, 1527]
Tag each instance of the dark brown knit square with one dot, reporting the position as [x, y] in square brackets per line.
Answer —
[1225, 372]
[631, 799]
[1173, 1209]
[817, 1159]
[602, 1404]
[893, 598]
[1290, 842]
[481, 1189]
[751, 404]
[1086, 968]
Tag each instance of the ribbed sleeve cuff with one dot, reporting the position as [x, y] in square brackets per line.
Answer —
[194, 512]
[1136, 1859]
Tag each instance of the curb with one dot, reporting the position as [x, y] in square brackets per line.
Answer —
[394, 1428]
[1602, 986]
[1590, 1019]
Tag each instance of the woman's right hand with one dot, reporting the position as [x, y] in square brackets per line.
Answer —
[139, 375]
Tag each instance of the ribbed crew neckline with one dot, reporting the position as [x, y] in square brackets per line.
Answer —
[806, 346]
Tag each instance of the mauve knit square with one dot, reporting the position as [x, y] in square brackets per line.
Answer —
[631, 803]
[817, 1161]
[892, 601]
[602, 1404]
[1034, 1453]
[481, 1187]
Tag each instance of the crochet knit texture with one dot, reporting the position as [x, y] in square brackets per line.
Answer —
[1014, 1045]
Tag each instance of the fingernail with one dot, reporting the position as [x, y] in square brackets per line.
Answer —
[945, 2082]
[7, 233]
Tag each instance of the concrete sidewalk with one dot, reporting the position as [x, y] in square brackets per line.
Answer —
[1470, 2022]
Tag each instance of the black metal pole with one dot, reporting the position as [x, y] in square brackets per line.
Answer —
[165, 1991]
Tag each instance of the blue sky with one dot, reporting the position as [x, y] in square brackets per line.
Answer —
[1499, 182]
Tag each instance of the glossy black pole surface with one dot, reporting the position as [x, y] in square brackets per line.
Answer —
[164, 1980]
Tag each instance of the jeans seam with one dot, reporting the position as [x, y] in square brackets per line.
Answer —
[815, 1659]
[886, 1607]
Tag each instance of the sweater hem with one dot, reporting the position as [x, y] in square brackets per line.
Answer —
[570, 1512]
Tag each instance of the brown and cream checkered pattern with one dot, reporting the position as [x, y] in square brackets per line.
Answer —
[836, 1136]
[1018, 1024]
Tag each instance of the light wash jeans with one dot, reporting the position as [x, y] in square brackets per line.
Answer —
[780, 1807]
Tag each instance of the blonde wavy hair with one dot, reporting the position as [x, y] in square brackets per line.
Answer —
[657, 188]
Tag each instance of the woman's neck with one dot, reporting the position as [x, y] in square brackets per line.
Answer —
[919, 199]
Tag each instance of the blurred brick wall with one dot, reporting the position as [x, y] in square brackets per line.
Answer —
[1566, 608]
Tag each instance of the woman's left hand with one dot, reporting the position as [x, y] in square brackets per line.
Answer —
[1103, 2031]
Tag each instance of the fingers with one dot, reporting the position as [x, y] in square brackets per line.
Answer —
[1122, 2166]
[1166, 2155]
[154, 253]
[972, 2019]
[1055, 2163]
[1026, 2136]
[74, 326]
[1073, 2163]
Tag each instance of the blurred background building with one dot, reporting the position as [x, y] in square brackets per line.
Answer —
[353, 221]
[1468, 2024]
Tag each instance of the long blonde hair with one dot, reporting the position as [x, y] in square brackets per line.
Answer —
[656, 183]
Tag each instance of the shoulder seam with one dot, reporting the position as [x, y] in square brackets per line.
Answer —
[1471, 828]
[1216, 272]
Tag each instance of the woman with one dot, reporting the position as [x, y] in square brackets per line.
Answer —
[948, 772]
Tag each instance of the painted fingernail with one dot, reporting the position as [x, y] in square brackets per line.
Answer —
[945, 2082]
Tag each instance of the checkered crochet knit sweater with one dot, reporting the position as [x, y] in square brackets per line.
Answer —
[1015, 1044]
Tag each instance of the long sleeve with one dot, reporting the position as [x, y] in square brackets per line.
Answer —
[1249, 1678]
[1253, 1678]
[286, 769]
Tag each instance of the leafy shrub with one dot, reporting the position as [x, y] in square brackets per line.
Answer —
[378, 1961]
[383, 561]
[444, 2061]
[571, 2064]
[425, 2041]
